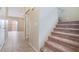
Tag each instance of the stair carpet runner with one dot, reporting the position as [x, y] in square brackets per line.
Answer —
[64, 38]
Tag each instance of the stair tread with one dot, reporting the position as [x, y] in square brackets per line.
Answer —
[67, 45]
[74, 26]
[70, 34]
[67, 24]
[71, 42]
[60, 47]
[73, 38]
[67, 28]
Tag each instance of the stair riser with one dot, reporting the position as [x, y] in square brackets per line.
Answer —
[68, 31]
[68, 45]
[68, 26]
[69, 22]
[52, 48]
[66, 36]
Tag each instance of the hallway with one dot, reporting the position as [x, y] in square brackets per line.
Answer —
[16, 43]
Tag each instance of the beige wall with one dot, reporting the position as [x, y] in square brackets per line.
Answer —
[16, 13]
[9, 25]
[21, 24]
[33, 17]
[12, 25]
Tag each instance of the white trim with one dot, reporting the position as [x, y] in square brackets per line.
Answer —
[35, 50]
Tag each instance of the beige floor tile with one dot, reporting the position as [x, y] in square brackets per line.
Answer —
[16, 43]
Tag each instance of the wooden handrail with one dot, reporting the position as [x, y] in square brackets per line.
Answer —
[29, 10]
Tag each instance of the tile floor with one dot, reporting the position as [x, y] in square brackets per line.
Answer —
[16, 43]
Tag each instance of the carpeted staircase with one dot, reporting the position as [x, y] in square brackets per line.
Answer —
[64, 38]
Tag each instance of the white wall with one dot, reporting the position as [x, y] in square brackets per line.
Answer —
[48, 20]
[2, 32]
[2, 12]
[69, 13]
[16, 11]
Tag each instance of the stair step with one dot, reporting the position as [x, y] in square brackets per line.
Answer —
[65, 44]
[69, 22]
[70, 34]
[65, 36]
[67, 30]
[58, 46]
[52, 47]
[74, 26]
[65, 41]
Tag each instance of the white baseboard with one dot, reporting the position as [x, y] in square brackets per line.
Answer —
[0, 48]
[35, 50]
